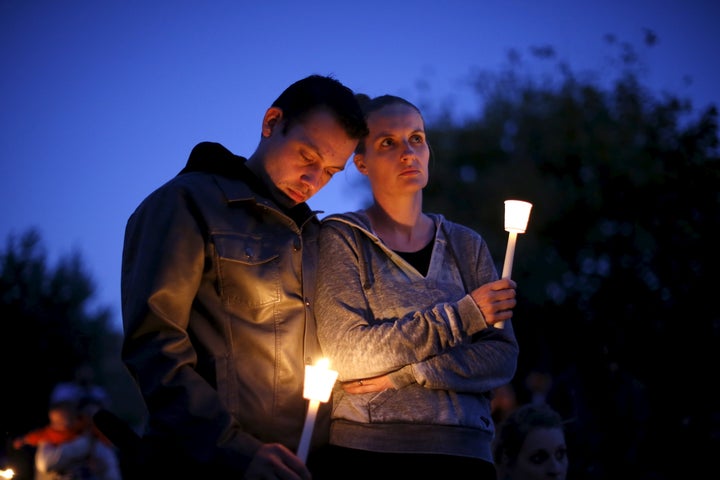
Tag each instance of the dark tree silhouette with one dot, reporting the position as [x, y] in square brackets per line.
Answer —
[48, 329]
[616, 270]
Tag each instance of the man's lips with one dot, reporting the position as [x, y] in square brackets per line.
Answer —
[296, 195]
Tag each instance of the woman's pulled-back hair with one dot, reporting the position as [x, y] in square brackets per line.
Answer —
[370, 105]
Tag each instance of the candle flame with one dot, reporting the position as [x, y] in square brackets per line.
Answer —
[319, 380]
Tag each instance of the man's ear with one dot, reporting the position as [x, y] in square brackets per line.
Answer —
[359, 160]
[271, 120]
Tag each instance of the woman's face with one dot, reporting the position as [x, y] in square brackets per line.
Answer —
[396, 151]
[543, 455]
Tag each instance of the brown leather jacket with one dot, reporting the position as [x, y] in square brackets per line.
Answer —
[217, 296]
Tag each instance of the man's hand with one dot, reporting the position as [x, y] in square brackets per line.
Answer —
[273, 461]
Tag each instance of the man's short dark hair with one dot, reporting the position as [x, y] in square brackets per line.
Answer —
[317, 91]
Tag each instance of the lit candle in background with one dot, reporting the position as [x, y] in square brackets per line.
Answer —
[8, 473]
[319, 380]
[517, 213]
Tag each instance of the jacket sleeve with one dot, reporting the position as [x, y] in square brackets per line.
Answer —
[360, 346]
[163, 262]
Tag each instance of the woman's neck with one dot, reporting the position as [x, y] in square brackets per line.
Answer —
[402, 228]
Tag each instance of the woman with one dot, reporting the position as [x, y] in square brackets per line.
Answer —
[531, 445]
[405, 305]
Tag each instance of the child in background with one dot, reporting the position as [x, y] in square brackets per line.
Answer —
[64, 425]
[70, 446]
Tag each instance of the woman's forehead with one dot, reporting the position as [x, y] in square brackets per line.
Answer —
[396, 116]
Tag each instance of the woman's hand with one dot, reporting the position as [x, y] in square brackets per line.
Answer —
[496, 300]
[368, 385]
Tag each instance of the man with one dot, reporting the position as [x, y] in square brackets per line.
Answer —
[217, 292]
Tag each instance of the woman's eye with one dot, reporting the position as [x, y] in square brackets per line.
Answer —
[539, 457]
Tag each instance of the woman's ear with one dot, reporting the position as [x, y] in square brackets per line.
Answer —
[272, 119]
[359, 160]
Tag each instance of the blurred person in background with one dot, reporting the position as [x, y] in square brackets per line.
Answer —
[530, 445]
[69, 448]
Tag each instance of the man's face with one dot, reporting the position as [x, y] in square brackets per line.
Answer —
[299, 162]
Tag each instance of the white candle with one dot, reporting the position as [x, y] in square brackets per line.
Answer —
[509, 255]
[517, 213]
[319, 380]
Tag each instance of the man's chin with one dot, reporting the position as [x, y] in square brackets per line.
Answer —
[284, 200]
[294, 197]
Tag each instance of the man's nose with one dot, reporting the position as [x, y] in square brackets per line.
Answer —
[312, 177]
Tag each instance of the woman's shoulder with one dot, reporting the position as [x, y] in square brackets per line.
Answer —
[454, 229]
[349, 226]
[353, 219]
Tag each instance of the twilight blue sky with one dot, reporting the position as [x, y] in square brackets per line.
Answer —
[101, 101]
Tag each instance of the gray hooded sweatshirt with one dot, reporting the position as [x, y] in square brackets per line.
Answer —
[377, 314]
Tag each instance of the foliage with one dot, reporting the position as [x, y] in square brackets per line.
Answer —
[615, 269]
[48, 330]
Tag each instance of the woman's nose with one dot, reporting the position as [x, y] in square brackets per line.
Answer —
[408, 152]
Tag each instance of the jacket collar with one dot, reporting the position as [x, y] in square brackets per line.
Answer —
[214, 158]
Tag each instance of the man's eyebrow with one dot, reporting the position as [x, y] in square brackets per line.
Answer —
[309, 145]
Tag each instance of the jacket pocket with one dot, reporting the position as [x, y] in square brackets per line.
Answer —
[248, 270]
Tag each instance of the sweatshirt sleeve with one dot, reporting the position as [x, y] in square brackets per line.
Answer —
[361, 346]
[487, 363]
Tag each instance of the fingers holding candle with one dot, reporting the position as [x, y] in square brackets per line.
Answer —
[496, 300]
[274, 460]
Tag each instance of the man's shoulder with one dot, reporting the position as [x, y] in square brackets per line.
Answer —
[212, 157]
